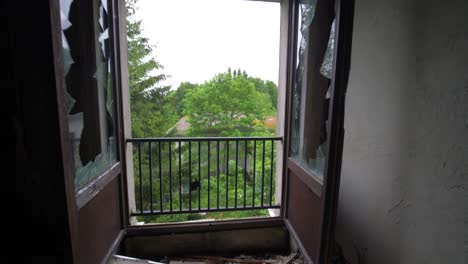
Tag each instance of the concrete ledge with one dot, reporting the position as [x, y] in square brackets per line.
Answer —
[247, 241]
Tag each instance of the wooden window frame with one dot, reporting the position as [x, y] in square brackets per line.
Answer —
[329, 188]
[78, 199]
[84, 194]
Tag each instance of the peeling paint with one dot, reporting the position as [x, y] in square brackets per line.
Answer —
[397, 205]
[458, 186]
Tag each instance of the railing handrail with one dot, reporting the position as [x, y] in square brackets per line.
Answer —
[176, 139]
[214, 168]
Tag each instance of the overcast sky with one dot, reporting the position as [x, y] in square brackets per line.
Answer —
[197, 39]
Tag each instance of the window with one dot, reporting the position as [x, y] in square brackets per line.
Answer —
[219, 83]
[89, 87]
[311, 93]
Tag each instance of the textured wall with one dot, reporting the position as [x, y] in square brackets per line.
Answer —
[404, 183]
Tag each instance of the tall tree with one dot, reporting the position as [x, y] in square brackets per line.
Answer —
[176, 98]
[148, 99]
[267, 87]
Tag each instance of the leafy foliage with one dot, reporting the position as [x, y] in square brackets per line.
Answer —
[227, 105]
[176, 98]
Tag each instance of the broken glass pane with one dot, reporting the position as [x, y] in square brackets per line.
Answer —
[327, 65]
[306, 15]
[311, 95]
[89, 91]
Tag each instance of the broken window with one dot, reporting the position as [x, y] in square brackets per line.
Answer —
[89, 87]
[311, 93]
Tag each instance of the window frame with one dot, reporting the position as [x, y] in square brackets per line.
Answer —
[326, 188]
[86, 193]
[129, 182]
[90, 202]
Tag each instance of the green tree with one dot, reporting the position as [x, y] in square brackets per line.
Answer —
[176, 98]
[226, 105]
[150, 114]
[267, 87]
[272, 90]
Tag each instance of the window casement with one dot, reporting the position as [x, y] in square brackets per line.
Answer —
[90, 94]
[93, 97]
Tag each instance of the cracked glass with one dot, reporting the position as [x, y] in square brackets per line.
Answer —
[311, 90]
[89, 87]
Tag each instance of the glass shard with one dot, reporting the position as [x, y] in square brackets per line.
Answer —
[311, 95]
[88, 81]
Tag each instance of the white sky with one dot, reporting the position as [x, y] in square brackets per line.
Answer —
[196, 39]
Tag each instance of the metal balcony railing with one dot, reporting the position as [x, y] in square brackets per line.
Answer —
[192, 175]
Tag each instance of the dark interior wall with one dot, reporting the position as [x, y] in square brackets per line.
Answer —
[35, 196]
[404, 183]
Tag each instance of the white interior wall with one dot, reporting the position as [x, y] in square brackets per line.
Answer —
[404, 183]
[281, 105]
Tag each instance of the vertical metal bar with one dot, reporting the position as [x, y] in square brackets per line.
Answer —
[254, 172]
[217, 174]
[263, 170]
[141, 181]
[271, 171]
[150, 175]
[160, 178]
[208, 172]
[245, 170]
[237, 160]
[190, 174]
[199, 176]
[170, 176]
[227, 174]
[180, 176]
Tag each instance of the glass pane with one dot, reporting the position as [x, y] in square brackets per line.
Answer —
[311, 93]
[88, 81]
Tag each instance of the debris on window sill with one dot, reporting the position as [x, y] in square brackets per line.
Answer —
[293, 258]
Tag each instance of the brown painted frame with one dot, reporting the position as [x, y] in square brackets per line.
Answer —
[77, 199]
[344, 10]
[72, 208]
[86, 193]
